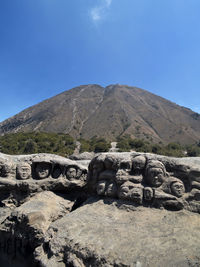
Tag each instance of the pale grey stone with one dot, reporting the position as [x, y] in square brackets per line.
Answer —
[125, 209]
[101, 234]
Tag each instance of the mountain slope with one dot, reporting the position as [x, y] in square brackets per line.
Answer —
[90, 110]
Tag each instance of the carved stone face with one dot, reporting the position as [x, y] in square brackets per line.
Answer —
[23, 171]
[178, 188]
[71, 173]
[43, 170]
[106, 188]
[138, 164]
[110, 163]
[5, 169]
[122, 176]
[136, 194]
[131, 191]
[125, 165]
[124, 191]
[148, 193]
[155, 173]
[111, 189]
[83, 175]
[101, 187]
[155, 176]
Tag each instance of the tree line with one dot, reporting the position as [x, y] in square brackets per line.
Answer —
[55, 143]
[64, 145]
[126, 143]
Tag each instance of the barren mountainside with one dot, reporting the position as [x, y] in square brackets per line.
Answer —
[90, 110]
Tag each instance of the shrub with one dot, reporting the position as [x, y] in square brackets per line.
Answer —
[28, 143]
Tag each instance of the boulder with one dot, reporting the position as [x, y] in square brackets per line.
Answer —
[125, 209]
[103, 233]
[24, 228]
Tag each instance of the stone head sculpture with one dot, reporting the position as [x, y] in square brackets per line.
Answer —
[111, 163]
[125, 165]
[148, 193]
[101, 187]
[71, 172]
[155, 173]
[42, 170]
[96, 166]
[111, 190]
[106, 188]
[177, 188]
[138, 164]
[121, 176]
[131, 191]
[23, 171]
[5, 169]
[123, 171]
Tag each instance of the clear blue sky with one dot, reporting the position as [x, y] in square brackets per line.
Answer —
[49, 46]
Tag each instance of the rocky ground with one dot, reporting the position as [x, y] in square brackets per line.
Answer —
[53, 214]
[109, 233]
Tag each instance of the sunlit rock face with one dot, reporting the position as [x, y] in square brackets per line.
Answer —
[124, 209]
[40, 172]
[148, 180]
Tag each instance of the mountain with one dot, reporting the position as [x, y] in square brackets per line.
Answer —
[115, 110]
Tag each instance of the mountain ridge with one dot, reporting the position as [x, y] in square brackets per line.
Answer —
[111, 111]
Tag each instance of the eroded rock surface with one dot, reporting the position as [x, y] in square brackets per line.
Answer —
[111, 233]
[22, 176]
[24, 228]
[148, 180]
[126, 209]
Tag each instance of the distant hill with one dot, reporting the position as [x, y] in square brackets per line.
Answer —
[91, 110]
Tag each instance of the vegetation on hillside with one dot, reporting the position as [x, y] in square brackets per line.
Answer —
[95, 144]
[64, 145]
[126, 143]
[30, 143]
[60, 144]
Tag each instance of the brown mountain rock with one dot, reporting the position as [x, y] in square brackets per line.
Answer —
[90, 110]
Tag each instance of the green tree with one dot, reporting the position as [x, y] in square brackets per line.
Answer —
[193, 151]
[30, 147]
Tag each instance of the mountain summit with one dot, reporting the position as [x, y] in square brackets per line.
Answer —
[115, 110]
